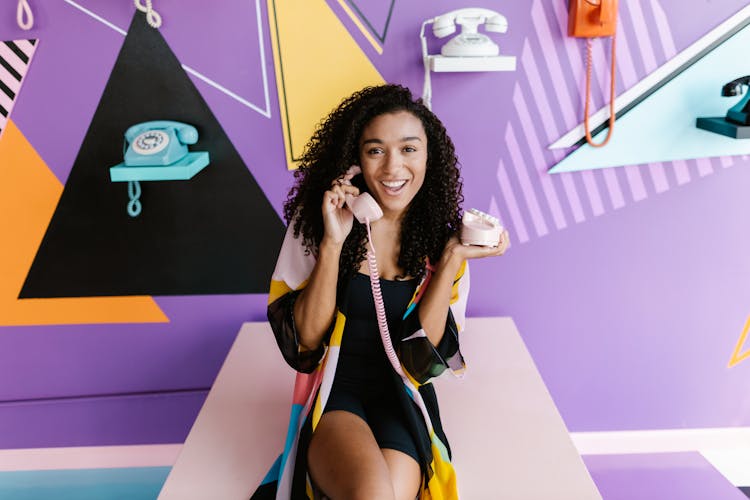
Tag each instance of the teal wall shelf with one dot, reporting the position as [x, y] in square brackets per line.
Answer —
[182, 170]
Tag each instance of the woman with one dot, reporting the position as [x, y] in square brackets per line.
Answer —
[359, 429]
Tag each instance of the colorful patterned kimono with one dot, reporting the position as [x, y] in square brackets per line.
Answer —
[420, 360]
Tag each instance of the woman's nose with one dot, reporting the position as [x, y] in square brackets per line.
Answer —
[393, 161]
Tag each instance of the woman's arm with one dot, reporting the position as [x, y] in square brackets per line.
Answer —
[433, 310]
[429, 343]
[315, 307]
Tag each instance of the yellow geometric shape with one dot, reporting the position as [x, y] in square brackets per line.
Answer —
[29, 193]
[317, 65]
[736, 355]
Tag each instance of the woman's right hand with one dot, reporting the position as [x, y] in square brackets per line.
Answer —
[337, 218]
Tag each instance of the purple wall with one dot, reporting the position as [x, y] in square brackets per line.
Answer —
[630, 286]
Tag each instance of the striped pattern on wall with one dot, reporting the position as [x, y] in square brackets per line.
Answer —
[15, 57]
[548, 101]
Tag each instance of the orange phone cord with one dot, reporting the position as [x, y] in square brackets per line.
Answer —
[588, 95]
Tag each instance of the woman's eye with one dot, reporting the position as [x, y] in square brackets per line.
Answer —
[410, 149]
[375, 151]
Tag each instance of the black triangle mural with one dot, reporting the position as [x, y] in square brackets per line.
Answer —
[213, 234]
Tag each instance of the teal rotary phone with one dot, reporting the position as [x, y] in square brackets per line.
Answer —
[157, 151]
[159, 142]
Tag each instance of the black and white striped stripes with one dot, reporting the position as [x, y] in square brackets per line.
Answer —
[15, 57]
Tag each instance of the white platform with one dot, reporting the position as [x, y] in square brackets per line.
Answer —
[439, 63]
[508, 439]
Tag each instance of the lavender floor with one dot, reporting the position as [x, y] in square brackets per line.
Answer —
[659, 476]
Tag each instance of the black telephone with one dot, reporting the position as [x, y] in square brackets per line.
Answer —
[740, 112]
[736, 123]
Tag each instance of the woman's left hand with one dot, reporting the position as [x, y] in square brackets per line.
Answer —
[457, 252]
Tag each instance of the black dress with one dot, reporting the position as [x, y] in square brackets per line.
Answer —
[364, 382]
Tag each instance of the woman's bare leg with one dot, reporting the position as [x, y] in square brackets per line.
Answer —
[344, 459]
[405, 474]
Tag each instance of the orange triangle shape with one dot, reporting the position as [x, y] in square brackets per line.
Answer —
[737, 355]
[29, 193]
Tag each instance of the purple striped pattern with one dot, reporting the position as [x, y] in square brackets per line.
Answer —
[15, 57]
[537, 203]
[531, 136]
[510, 201]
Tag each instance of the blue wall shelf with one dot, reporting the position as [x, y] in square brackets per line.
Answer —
[184, 169]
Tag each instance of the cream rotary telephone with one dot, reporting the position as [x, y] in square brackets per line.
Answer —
[469, 43]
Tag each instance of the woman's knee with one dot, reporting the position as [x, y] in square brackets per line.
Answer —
[405, 474]
[344, 459]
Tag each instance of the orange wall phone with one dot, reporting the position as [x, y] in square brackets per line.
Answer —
[591, 19]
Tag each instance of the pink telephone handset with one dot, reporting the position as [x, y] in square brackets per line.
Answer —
[480, 229]
[364, 207]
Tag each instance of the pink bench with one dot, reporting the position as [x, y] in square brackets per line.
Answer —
[508, 439]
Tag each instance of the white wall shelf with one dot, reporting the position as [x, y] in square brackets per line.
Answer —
[439, 63]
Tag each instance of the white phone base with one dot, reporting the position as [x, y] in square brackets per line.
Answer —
[480, 229]
[456, 64]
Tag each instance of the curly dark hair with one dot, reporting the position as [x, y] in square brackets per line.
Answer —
[433, 215]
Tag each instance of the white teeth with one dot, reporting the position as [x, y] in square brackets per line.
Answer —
[393, 184]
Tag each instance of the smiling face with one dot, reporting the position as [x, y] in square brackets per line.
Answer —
[393, 157]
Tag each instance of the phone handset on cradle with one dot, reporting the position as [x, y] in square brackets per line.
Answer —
[160, 142]
[469, 43]
[740, 112]
[736, 122]
[590, 19]
[157, 150]
[470, 50]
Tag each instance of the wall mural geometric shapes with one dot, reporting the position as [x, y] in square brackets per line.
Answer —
[374, 13]
[15, 58]
[644, 42]
[214, 234]
[265, 110]
[317, 65]
[737, 354]
[662, 126]
[368, 19]
[29, 192]
[658, 77]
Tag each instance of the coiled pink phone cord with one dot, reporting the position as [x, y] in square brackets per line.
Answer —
[383, 326]
[377, 296]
